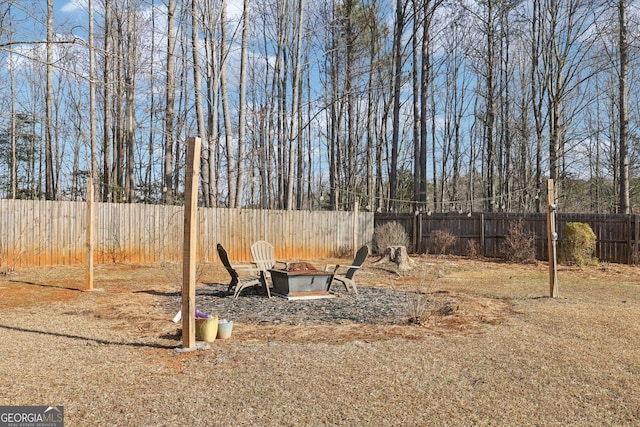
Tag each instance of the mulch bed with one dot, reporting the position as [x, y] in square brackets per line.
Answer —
[372, 305]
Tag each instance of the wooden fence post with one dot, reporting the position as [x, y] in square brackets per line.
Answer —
[356, 209]
[629, 241]
[190, 243]
[636, 240]
[482, 245]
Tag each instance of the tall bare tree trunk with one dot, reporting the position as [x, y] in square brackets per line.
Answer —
[418, 170]
[623, 110]
[333, 121]
[107, 195]
[197, 90]
[50, 190]
[213, 85]
[425, 76]
[130, 91]
[14, 160]
[350, 38]
[297, 78]
[150, 166]
[505, 176]
[242, 108]
[371, 109]
[490, 109]
[93, 131]
[428, 10]
[280, 104]
[226, 109]
[537, 97]
[397, 83]
[170, 92]
[120, 92]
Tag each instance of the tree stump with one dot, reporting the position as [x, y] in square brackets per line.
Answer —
[397, 255]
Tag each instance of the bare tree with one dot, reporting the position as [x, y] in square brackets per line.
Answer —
[568, 46]
[538, 91]
[226, 109]
[130, 74]
[397, 83]
[107, 195]
[197, 90]
[50, 187]
[170, 89]
[623, 107]
[93, 132]
[295, 134]
[242, 107]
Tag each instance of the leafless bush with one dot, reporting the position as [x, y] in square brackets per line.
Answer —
[390, 234]
[520, 245]
[343, 251]
[441, 241]
[113, 249]
[420, 304]
[11, 254]
[635, 255]
[474, 251]
[173, 272]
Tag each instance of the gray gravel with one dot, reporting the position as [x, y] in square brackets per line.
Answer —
[371, 305]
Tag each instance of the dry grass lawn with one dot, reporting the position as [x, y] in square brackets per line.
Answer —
[507, 355]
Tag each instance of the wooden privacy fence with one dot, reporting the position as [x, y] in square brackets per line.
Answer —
[617, 236]
[37, 232]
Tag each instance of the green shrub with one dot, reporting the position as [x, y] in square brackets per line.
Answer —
[578, 244]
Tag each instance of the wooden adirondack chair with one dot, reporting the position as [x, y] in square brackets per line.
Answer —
[346, 278]
[264, 257]
[252, 279]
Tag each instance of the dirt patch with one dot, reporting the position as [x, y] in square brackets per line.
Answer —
[16, 293]
[138, 297]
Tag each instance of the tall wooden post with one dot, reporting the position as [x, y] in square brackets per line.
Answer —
[190, 243]
[552, 239]
[89, 275]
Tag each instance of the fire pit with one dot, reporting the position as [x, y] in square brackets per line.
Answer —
[301, 281]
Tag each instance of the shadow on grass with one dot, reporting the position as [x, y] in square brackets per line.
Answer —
[159, 293]
[94, 340]
[44, 285]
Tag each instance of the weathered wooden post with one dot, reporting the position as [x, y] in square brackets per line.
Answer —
[356, 226]
[89, 275]
[552, 239]
[190, 243]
